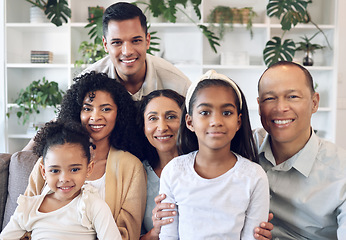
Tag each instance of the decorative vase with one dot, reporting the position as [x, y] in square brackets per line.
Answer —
[37, 15]
[307, 60]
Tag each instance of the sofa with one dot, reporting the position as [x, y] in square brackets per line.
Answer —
[15, 170]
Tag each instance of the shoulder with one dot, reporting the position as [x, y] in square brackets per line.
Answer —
[26, 203]
[331, 155]
[181, 163]
[163, 67]
[102, 65]
[122, 161]
[250, 169]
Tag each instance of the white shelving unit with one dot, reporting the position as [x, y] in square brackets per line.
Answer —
[181, 43]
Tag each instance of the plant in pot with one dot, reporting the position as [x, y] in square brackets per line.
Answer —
[39, 94]
[309, 48]
[225, 16]
[168, 10]
[290, 13]
[57, 11]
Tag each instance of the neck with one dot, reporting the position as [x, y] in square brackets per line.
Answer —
[133, 83]
[283, 151]
[102, 149]
[165, 157]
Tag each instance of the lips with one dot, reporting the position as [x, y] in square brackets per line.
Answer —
[162, 138]
[283, 122]
[66, 188]
[128, 61]
[96, 128]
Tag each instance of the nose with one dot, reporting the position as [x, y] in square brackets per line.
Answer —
[95, 115]
[162, 125]
[64, 177]
[282, 105]
[127, 49]
[216, 120]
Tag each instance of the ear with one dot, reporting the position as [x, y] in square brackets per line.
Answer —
[104, 41]
[315, 101]
[148, 40]
[90, 168]
[189, 124]
[239, 121]
[43, 171]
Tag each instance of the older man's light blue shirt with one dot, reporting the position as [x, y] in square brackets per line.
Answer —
[308, 191]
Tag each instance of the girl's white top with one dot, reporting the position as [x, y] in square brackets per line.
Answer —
[226, 207]
[86, 217]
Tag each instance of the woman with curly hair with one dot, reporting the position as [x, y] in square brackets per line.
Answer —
[107, 111]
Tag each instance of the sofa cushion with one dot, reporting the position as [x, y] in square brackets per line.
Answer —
[19, 171]
[4, 165]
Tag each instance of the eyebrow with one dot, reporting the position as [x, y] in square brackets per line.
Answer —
[167, 112]
[119, 39]
[71, 165]
[209, 105]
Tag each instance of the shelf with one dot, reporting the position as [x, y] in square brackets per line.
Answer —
[36, 65]
[21, 136]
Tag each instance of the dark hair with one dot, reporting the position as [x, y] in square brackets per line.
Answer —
[124, 135]
[150, 153]
[308, 77]
[242, 143]
[59, 133]
[123, 11]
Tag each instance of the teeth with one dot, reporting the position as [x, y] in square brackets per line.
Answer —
[129, 61]
[97, 127]
[65, 188]
[282, 121]
[163, 138]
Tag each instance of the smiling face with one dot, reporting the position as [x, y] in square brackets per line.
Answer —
[161, 124]
[65, 169]
[98, 115]
[215, 118]
[127, 43]
[286, 104]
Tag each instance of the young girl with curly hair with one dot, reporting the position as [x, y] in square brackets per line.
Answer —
[65, 151]
[107, 111]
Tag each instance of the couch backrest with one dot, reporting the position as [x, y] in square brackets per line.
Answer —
[4, 165]
[20, 167]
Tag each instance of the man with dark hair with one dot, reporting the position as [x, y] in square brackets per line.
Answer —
[126, 39]
[307, 175]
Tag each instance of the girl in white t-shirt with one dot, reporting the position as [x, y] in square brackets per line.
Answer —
[70, 210]
[219, 189]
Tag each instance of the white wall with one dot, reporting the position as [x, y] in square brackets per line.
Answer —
[341, 105]
[2, 77]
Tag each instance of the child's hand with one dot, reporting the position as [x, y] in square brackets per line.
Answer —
[158, 214]
[263, 232]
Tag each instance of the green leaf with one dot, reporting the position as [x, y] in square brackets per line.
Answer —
[276, 51]
[58, 11]
[95, 23]
[212, 39]
[291, 12]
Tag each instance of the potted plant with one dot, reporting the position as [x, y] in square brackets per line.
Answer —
[168, 9]
[309, 48]
[57, 11]
[39, 94]
[290, 14]
[223, 15]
